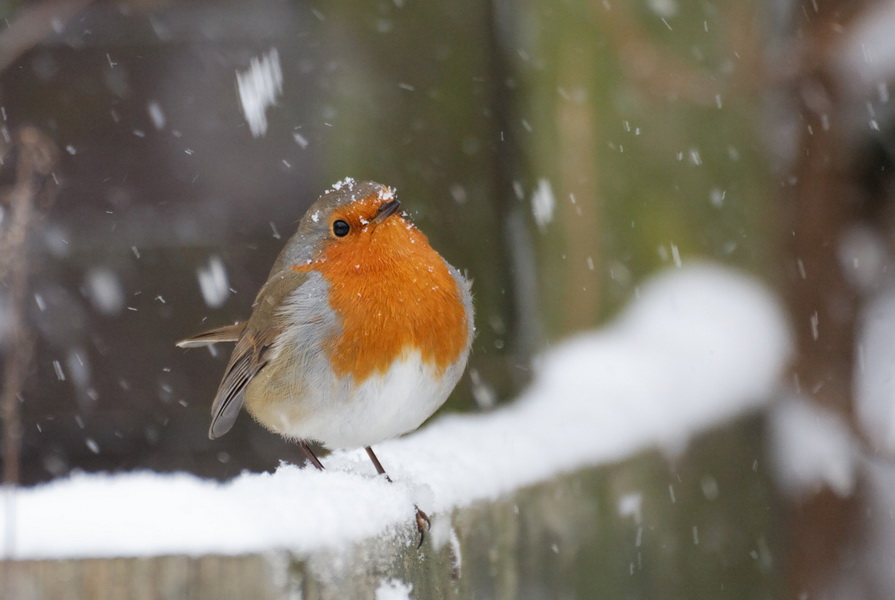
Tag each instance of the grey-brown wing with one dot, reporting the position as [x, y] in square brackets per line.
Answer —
[247, 361]
[252, 351]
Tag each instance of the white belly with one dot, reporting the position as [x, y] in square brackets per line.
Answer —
[338, 414]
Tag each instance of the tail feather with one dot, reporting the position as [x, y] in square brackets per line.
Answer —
[227, 333]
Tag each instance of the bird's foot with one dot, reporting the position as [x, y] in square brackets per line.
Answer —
[423, 524]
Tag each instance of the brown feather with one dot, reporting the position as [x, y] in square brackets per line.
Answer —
[227, 333]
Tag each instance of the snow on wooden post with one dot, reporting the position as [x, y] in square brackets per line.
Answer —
[694, 527]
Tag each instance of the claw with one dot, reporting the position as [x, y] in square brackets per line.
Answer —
[422, 519]
[422, 524]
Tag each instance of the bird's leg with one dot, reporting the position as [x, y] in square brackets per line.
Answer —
[422, 519]
[310, 454]
[377, 464]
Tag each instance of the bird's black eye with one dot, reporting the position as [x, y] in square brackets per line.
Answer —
[341, 228]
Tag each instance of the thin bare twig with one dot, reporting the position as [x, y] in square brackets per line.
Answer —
[34, 156]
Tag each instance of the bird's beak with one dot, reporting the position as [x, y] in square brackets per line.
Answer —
[386, 210]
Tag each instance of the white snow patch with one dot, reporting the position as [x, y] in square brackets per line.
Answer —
[630, 506]
[104, 290]
[258, 88]
[301, 140]
[348, 182]
[874, 381]
[156, 114]
[456, 554]
[664, 8]
[812, 448]
[213, 282]
[484, 395]
[863, 255]
[701, 345]
[543, 204]
[393, 589]
[867, 52]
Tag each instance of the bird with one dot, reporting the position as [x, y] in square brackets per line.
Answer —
[360, 333]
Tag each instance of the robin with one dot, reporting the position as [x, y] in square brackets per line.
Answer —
[359, 334]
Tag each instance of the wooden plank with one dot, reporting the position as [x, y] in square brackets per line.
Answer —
[162, 577]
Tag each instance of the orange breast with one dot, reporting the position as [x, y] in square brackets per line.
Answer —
[393, 293]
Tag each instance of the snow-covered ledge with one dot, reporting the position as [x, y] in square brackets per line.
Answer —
[700, 346]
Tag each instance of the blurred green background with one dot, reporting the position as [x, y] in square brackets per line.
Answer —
[557, 152]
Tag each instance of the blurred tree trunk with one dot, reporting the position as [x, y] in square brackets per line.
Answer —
[823, 204]
[31, 156]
